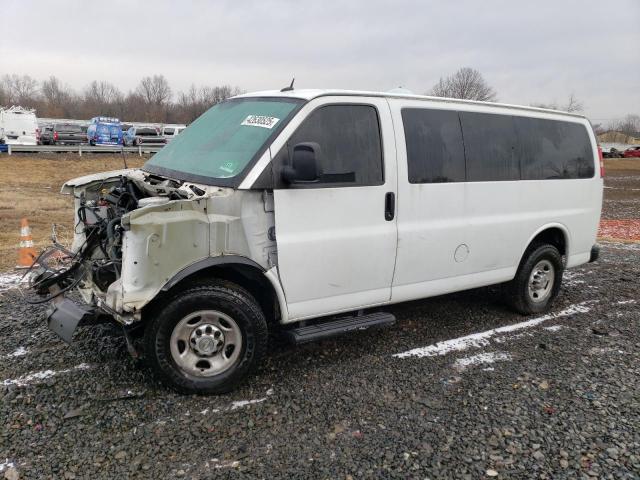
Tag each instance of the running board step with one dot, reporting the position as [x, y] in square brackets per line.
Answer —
[337, 327]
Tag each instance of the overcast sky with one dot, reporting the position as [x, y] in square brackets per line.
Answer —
[529, 51]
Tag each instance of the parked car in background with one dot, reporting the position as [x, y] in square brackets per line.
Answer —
[46, 135]
[19, 126]
[68, 134]
[632, 152]
[104, 131]
[171, 131]
[612, 153]
[143, 135]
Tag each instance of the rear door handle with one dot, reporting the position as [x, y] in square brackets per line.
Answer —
[389, 206]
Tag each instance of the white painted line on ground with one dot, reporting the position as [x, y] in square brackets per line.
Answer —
[481, 339]
[35, 377]
[480, 359]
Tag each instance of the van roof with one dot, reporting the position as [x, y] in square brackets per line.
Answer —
[309, 94]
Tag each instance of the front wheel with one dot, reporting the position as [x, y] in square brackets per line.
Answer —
[537, 281]
[206, 339]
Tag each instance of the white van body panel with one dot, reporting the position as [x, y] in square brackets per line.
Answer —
[336, 251]
[490, 224]
[18, 126]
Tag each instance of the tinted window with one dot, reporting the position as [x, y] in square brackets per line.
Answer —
[350, 146]
[554, 149]
[435, 152]
[66, 127]
[168, 131]
[491, 147]
[146, 132]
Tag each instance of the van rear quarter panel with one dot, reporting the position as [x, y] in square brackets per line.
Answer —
[495, 220]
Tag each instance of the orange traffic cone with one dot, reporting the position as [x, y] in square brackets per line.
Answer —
[26, 252]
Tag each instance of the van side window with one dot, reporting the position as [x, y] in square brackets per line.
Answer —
[435, 152]
[491, 147]
[554, 149]
[350, 144]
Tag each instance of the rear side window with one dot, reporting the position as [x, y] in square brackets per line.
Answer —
[168, 131]
[435, 152]
[552, 149]
[146, 132]
[350, 145]
[491, 147]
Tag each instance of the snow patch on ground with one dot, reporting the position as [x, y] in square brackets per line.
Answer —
[6, 465]
[244, 403]
[481, 358]
[9, 281]
[554, 328]
[622, 246]
[237, 404]
[570, 278]
[19, 352]
[477, 340]
[36, 377]
[625, 302]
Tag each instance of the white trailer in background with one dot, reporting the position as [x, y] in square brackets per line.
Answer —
[18, 126]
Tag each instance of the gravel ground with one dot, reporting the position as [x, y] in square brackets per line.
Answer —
[459, 388]
[553, 397]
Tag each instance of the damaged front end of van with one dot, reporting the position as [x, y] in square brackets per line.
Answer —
[136, 234]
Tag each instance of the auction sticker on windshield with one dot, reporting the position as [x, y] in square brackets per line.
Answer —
[260, 121]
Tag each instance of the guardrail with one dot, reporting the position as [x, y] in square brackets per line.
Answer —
[79, 149]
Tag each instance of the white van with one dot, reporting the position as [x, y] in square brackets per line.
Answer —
[171, 131]
[311, 210]
[19, 126]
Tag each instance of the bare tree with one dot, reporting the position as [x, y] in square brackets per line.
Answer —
[150, 101]
[57, 100]
[572, 105]
[102, 93]
[466, 83]
[195, 101]
[154, 90]
[629, 125]
[21, 89]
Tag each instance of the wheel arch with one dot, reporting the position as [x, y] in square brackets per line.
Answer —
[263, 284]
[555, 234]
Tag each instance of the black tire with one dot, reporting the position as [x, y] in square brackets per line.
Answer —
[517, 292]
[225, 297]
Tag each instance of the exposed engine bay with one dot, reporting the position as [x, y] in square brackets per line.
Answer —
[135, 235]
[96, 254]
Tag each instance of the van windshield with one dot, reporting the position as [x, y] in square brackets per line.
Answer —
[222, 143]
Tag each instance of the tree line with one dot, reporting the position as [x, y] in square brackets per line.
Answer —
[152, 100]
[468, 83]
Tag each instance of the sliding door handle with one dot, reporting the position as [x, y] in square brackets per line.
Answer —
[389, 206]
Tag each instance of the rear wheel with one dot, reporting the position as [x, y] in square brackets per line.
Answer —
[537, 281]
[206, 339]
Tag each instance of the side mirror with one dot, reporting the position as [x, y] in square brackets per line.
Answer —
[305, 166]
